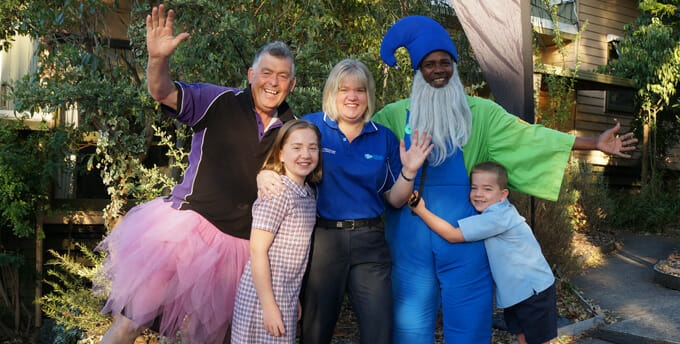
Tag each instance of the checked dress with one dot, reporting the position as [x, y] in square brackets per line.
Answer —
[291, 217]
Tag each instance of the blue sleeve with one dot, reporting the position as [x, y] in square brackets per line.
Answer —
[483, 226]
[393, 160]
[194, 100]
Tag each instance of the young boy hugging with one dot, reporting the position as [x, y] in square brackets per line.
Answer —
[525, 286]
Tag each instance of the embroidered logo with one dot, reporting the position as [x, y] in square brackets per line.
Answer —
[327, 150]
[373, 157]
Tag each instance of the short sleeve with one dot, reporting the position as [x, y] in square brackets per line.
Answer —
[483, 226]
[269, 214]
[194, 100]
[394, 160]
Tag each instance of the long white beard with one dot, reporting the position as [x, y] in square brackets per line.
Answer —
[444, 113]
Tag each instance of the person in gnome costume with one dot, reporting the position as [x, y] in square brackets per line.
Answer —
[427, 271]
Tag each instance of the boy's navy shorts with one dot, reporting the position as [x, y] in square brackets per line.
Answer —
[536, 317]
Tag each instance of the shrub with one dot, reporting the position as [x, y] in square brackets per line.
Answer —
[583, 205]
[654, 208]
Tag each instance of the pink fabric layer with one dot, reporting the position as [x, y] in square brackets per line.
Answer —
[176, 264]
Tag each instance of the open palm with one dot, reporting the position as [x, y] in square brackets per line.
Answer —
[160, 41]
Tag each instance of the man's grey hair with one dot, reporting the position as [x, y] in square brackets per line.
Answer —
[276, 49]
[443, 112]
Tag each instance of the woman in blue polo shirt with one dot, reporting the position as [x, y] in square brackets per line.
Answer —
[364, 166]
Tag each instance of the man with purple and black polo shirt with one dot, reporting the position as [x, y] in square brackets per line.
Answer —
[233, 131]
[196, 241]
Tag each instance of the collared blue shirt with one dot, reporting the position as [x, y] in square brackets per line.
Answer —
[517, 265]
[356, 174]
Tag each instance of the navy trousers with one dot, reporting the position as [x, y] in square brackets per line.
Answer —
[356, 262]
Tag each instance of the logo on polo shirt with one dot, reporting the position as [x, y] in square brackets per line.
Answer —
[373, 157]
[327, 150]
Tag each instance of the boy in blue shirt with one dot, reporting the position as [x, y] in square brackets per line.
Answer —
[525, 286]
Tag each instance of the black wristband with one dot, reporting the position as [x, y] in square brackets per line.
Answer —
[406, 178]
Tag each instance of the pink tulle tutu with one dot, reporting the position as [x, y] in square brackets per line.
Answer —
[176, 264]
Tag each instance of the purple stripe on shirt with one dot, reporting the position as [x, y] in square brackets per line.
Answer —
[196, 100]
[181, 191]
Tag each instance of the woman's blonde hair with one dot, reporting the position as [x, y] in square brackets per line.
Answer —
[273, 160]
[347, 68]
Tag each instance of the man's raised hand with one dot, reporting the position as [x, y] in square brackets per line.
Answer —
[160, 41]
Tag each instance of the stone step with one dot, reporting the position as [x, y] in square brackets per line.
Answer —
[660, 328]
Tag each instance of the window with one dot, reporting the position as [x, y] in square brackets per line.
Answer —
[619, 101]
[613, 47]
[4, 97]
[567, 18]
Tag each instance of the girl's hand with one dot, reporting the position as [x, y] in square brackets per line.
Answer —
[273, 323]
[299, 315]
[269, 184]
[412, 159]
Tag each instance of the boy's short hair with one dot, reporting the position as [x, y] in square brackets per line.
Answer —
[495, 168]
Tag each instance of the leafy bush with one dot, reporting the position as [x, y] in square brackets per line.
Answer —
[71, 302]
[583, 205]
[592, 210]
[553, 227]
[654, 208]
[28, 164]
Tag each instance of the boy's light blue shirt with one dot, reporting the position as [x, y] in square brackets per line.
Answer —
[517, 265]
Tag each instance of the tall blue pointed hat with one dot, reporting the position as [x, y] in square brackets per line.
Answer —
[420, 35]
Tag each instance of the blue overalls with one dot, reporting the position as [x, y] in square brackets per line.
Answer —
[428, 271]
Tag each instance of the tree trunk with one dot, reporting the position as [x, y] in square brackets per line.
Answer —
[646, 147]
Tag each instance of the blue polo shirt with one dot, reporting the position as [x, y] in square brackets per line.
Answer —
[356, 174]
[518, 267]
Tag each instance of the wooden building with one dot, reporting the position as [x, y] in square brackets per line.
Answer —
[590, 30]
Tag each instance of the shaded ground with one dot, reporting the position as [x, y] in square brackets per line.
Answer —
[646, 311]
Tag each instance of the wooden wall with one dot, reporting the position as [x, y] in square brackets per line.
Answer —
[602, 17]
[117, 20]
[591, 120]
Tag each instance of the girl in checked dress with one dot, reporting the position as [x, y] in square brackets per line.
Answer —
[267, 306]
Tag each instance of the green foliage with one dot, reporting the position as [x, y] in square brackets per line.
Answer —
[650, 55]
[320, 33]
[28, 164]
[593, 209]
[584, 205]
[71, 302]
[76, 68]
[655, 208]
[553, 227]
[66, 335]
[9, 15]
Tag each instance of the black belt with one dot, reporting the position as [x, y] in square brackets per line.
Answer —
[348, 224]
